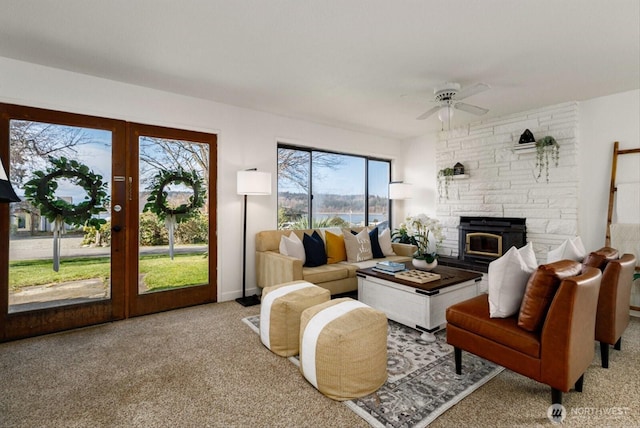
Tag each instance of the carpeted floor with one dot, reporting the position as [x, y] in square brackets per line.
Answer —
[421, 384]
[202, 366]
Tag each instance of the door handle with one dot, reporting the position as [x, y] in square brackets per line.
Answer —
[116, 228]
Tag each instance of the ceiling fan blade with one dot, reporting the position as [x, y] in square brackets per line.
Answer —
[470, 109]
[471, 90]
[428, 113]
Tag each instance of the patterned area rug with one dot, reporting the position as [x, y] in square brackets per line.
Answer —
[422, 382]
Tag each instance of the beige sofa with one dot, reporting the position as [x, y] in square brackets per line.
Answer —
[273, 268]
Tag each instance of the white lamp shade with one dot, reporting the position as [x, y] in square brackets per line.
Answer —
[400, 190]
[252, 182]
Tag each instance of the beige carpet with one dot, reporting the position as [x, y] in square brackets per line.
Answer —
[202, 366]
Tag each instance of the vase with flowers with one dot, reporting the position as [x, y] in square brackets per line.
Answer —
[426, 234]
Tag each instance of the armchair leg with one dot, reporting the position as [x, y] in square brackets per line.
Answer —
[604, 354]
[618, 344]
[579, 383]
[457, 352]
[556, 396]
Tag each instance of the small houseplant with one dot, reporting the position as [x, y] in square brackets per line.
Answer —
[547, 150]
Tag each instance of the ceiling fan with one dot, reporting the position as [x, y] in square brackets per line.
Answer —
[448, 96]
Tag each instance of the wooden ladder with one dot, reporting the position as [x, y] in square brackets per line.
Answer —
[612, 192]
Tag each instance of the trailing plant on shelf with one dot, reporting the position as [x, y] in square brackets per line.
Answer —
[445, 175]
[547, 151]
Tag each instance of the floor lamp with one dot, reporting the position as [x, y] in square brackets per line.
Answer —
[7, 194]
[250, 182]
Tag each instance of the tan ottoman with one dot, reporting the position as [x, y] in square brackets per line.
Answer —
[343, 348]
[280, 311]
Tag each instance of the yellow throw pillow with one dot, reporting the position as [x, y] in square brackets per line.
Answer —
[336, 251]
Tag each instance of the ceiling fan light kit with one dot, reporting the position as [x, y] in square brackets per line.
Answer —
[448, 96]
[445, 114]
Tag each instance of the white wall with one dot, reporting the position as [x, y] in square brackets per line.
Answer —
[246, 139]
[602, 121]
[419, 166]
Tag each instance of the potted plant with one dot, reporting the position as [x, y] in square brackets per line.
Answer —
[425, 233]
[445, 176]
[546, 148]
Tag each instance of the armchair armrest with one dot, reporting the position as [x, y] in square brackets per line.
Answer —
[406, 250]
[569, 330]
[274, 268]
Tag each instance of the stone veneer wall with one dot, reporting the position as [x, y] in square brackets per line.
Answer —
[502, 181]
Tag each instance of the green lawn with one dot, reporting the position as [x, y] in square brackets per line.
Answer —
[158, 271]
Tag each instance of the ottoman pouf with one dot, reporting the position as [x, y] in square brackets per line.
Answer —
[280, 311]
[343, 348]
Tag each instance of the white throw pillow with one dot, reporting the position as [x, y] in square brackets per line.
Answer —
[571, 249]
[292, 246]
[384, 239]
[508, 277]
[358, 246]
[528, 256]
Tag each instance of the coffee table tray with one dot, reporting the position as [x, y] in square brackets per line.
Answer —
[417, 276]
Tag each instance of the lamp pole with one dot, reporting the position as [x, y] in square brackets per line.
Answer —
[250, 182]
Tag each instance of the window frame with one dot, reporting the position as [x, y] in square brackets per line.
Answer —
[311, 150]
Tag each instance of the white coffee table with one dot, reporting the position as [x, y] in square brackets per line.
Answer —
[419, 306]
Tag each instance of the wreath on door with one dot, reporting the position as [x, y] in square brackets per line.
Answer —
[40, 191]
[157, 199]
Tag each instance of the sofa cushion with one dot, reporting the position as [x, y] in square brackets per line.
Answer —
[358, 246]
[376, 251]
[385, 243]
[292, 246]
[508, 278]
[314, 250]
[336, 251]
[473, 315]
[541, 288]
[325, 273]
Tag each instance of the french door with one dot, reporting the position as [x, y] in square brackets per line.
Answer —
[88, 243]
[172, 263]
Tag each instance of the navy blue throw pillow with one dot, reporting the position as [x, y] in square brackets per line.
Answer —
[375, 244]
[314, 250]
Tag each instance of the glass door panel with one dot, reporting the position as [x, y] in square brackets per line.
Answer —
[60, 234]
[173, 225]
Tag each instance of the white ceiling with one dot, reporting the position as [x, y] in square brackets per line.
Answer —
[367, 65]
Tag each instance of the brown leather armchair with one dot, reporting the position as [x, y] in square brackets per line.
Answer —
[612, 316]
[557, 348]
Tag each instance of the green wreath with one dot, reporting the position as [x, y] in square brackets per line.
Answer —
[157, 199]
[40, 191]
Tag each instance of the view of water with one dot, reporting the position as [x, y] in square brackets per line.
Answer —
[353, 218]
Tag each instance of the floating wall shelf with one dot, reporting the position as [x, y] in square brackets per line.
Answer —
[525, 148]
[460, 176]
